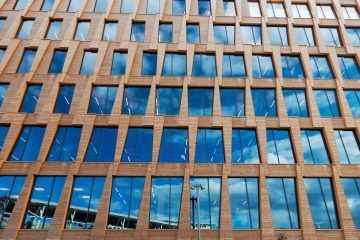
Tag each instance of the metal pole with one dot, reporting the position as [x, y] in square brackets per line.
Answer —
[198, 210]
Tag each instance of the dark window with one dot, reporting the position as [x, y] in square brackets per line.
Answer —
[204, 65]
[88, 63]
[127, 6]
[296, 104]
[292, 67]
[314, 148]
[178, 7]
[101, 6]
[138, 146]
[200, 101]
[264, 101]
[165, 32]
[232, 102]
[26, 60]
[82, 30]
[331, 36]
[204, 7]
[109, 33]
[102, 145]
[262, 66]
[244, 146]
[47, 5]
[135, 100]
[352, 192]
[64, 99]
[58, 61]
[353, 98]
[119, 63]
[137, 31]
[153, 7]
[20, 4]
[278, 35]
[193, 33]
[31, 98]
[3, 90]
[174, 146]
[354, 34]
[348, 147]
[3, 133]
[327, 103]
[209, 146]
[233, 66]
[53, 29]
[349, 68]
[102, 100]
[304, 36]
[174, 65]
[75, 5]
[251, 35]
[168, 101]
[279, 147]
[224, 34]
[149, 63]
[25, 28]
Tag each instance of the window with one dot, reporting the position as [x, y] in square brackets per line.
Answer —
[204, 65]
[351, 188]
[135, 100]
[300, 11]
[28, 144]
[251, 35]
[275, 10]
[278, 35]
[54, 29]
[57, 62]
[137, 31]
[224, 34]
[75, 5]
[229, 8]
[174, 65]
[254, 9]
[2, 53]
[200, 101]
[168, 101]
[102, 100]
[26, 60]
[283, 203]
[82, 30]
[119, 63]
[65, 145]
[263, 66]
[279, 147]
[165, 32]
[292, 67]
[233, 66]
[3, 133]
[264, 102]
[331, 36]
[325, 11]
[347, 146]
[354, 34]
[125, 202]
[327, 103]
[47, 5]
[204, 7]
[178, 7]
[84, 203]
[193, 33]
[10, 187]
[153, 7]
[209, 198]
[174, 145]
[320, 68]
[245, 146]
[88, 63]
[102, 145]
[2, 22]
[110, 31]
[353, 98]
[138, 145]
[295, 100]
[349, 68]
[149, 63]
[25, 28]
[44, 199]
[165, 202]
[31, 98]
[314, 148]
[304, 36]
[232, 102]
[101, 6]
[209, 146]
[64, 99]
[3, 89]
[20, 4]
[322, 203]
[244, 202]
[350, 13]
[127, 6]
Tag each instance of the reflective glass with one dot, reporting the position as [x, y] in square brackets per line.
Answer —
[174, 65]
[232, 102]
[245, 146]
[314, 148]
[200, 101]
[31, 98]
[279, 147]
[292, 67]
[193, 33]
[101, 147]
[352, 192]
[2, 22]
[209, 146]
[349, 68]
[275, 10]
[137, 32]
[353, 98]
[2, 52]
[64, 99]
[264, 101]
[178, 7]
[204, 7]
[224, 34]
[296, 104]
[57, 62]
[233, 66]
[251, 35]
[119, 63]
[127, 6]
[153, 7]
[20, 4]
[25, 28]
[350, 12]
[304, 36]
[138, 145]
[102, 100]
[278, 35]
[331, 36]
[325, 11]
[82, 30]
[327, 103]
[165, 32]
[109, 33]
[149, 62]
[101, 6]
[88, 63]
[174, 145]
[47, 5]
[254, 9]
[135, 100]
[347, 146]
[262, 66]
[300, 11]
[3, 89]
[204, 65]
[75, 5]
[3, 133]
[54, 29]
[168, 101]
[354, 34]
[229, 8]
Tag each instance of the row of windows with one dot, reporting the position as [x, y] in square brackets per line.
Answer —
[174, 145]
[166, 198]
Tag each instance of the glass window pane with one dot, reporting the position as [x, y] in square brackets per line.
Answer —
[54, 29]
[254, 9]
[75, 5]
[101, 6]
[348, 147]
[101, 147]
[224, 34]
[178, 7]
[304, 36]
[353, 98]
[3, 133]
[349, 68]
[292, 67]
[64, 99]
[200, 101]
[233, 66]
[58, 61]
[3, 90]
[229, 8]
[153, 7]
[354, 34]
[251, 35]
[244, 146]
[47, 5]
[331, 36]
[165, 32]
[209, 146]
[174, 146]
[168, 101]
[109, 33]
[26, 60]
[88, 63]
[204, 7]
[102, 99]
[138, 145]
[127, 6]
[327, 103]
[119, 63]
[135, 100]
[137, 32]
[149, 63]
[31, 98]
[204, 65]
[193, 33]
[279, 147]
[174, 65]
[82, 30]
[2, 22]
[264, 102]
[296, 104]
[232, 102]
[20, 4]
[262, 66]
[352, 192]
[314, 148]
[278, 35]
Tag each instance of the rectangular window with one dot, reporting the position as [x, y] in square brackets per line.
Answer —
[353, 98]
[304, 36]
[44, 199]
[204, 65]
[232, 102]
[102, 100]
[325, 11]
[204, 7]
[300, 11]
[64, 99]
[254, 9]
[165, 202]
[296, 104]
[65, 145]
[168, 100]
[279, 147]
[101, 147]
[245, 146]
[125, 202]
[119, 63]
[57, 62]
[174, 65]
[224, 34]
[283, 202]
[244, 202]
[264, 101]
[314, 148]
[31, 98]
[28, 144]
[193, 33]
[3, 90]
[331, 36]
[54, 29]
[20, 4]
[349, 68]
[350, 13]
[275, 10]
[322, 203]
[174, 146]
[84, 203]
[263, 66]
[127, 6]
[2, 23]
[229, 8]
[354, 34]
[165, 32]
[109, 33]
[101, 6]
[138, 145]
[209, 196]
[292, 67]
[10, 188]
[209, 146]
[327, 103]
[135, 100]
[88, 63]
[2, 53]
[348, 146]
[75, 5]
[137, 31]
[352, 192]
[251, 35]
[26, 60]
[278, 35]
[82, 30]
[320, 68]
[153, 7]
[25, 28]
[149, 62]
[233, 66]
[3, 133]
[200, 101]
[47, 5]
[178, 7]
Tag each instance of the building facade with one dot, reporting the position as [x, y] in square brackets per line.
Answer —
[146, 119]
